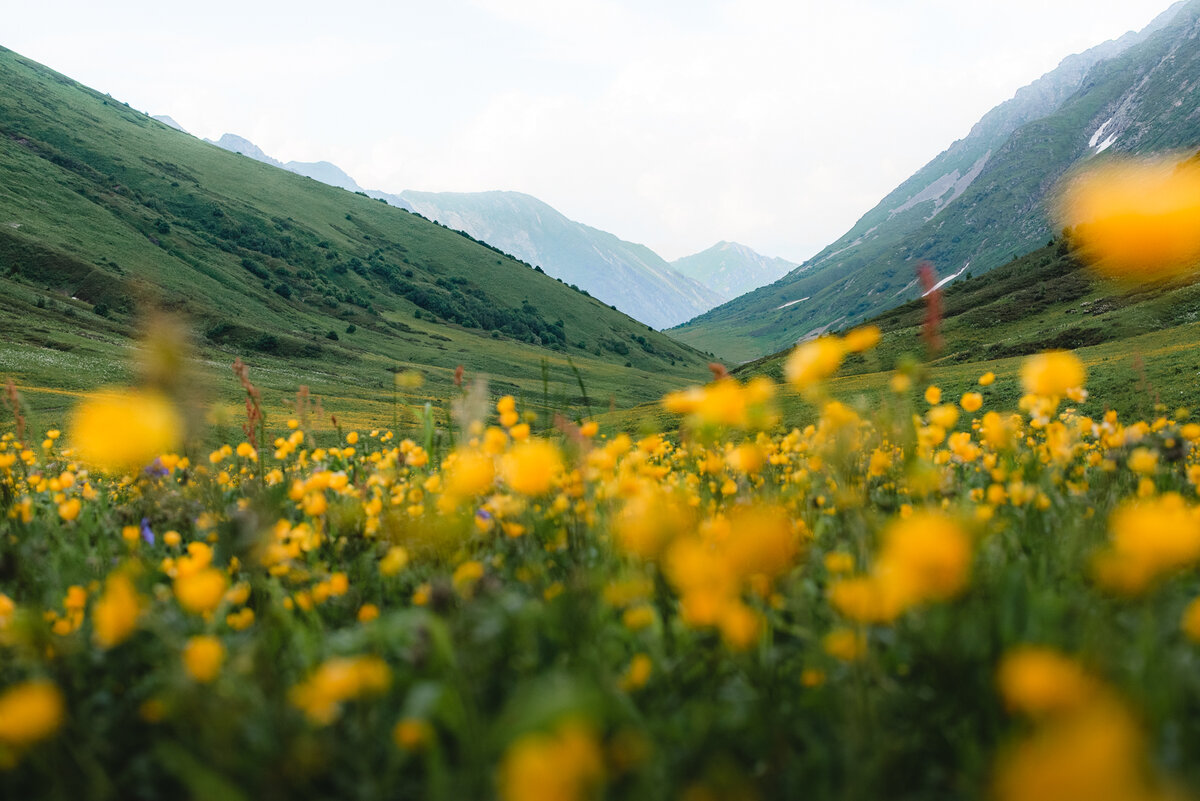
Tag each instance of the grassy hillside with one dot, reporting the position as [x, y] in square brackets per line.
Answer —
[106, 213]
[1139, 343]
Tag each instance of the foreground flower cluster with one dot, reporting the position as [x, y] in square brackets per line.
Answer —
[932, 597]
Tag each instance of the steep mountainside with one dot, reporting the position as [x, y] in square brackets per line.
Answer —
[105, 212]
[629, 276]
[626, 275]
[984, 199]
[730, 269]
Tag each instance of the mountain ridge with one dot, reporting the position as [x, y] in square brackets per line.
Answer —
[974, 206]
[732, 269]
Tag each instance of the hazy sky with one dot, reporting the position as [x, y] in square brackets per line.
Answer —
[674, 123]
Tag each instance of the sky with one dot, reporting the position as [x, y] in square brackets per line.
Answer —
[672, 123]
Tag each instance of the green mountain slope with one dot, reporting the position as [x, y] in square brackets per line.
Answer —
[105, 211]
[984, 199]
[1139, 343]
[1044, 300]
[630, 276]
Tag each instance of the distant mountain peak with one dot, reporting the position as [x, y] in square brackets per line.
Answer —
[168, 121]
[732, 269]
[239, 144]
[629, 276]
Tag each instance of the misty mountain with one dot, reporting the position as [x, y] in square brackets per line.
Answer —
[629, 276]
[730, 269]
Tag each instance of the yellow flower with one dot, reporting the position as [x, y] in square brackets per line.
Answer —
[115, 615]
[1094, 755]
[900, 383]
[933, 395]
[336, 681]
[638, 673]
[811, 677]
[565, 765]
[531, 467]
[202, 591]
[971, 402]
[393, 561]
[367, 613]
[813, 362]
[203, 657]
[1038, 681]
[1191, 620]
[861, 339]
[740, 625]
[845, 644]
[1143, 461]
[638, 617]
[650, 520]
[925, 557]
[866, 599]
[1148, 538]
[69, 510]
[1136, 219]
[412, 733]
[470, 473]
[29, 712]
[987, 379]
[1052, 374]
[943, 416]
[839, 562]
[466, 574]
[123, 431]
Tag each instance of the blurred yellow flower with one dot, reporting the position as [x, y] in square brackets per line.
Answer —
[202, 591]
[1037, 681]
[1052, 374]
[336, 681]
[1097, 754]
[1190, 623]
[29, 712]
[203, 657]
[845, 644]
[638, 673]
[1135, 219]
[1148, 539]
[126, 430]
[530, 467]
[409, 734]
[861, 339]
[971, 402]
[115, 615]
[813, 362]
[564, 765]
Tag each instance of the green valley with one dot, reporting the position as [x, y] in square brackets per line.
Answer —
[107, 215]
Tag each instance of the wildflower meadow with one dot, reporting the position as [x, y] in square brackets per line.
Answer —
[926, 597]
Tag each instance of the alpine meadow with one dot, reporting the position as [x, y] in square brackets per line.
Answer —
[306, 493]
